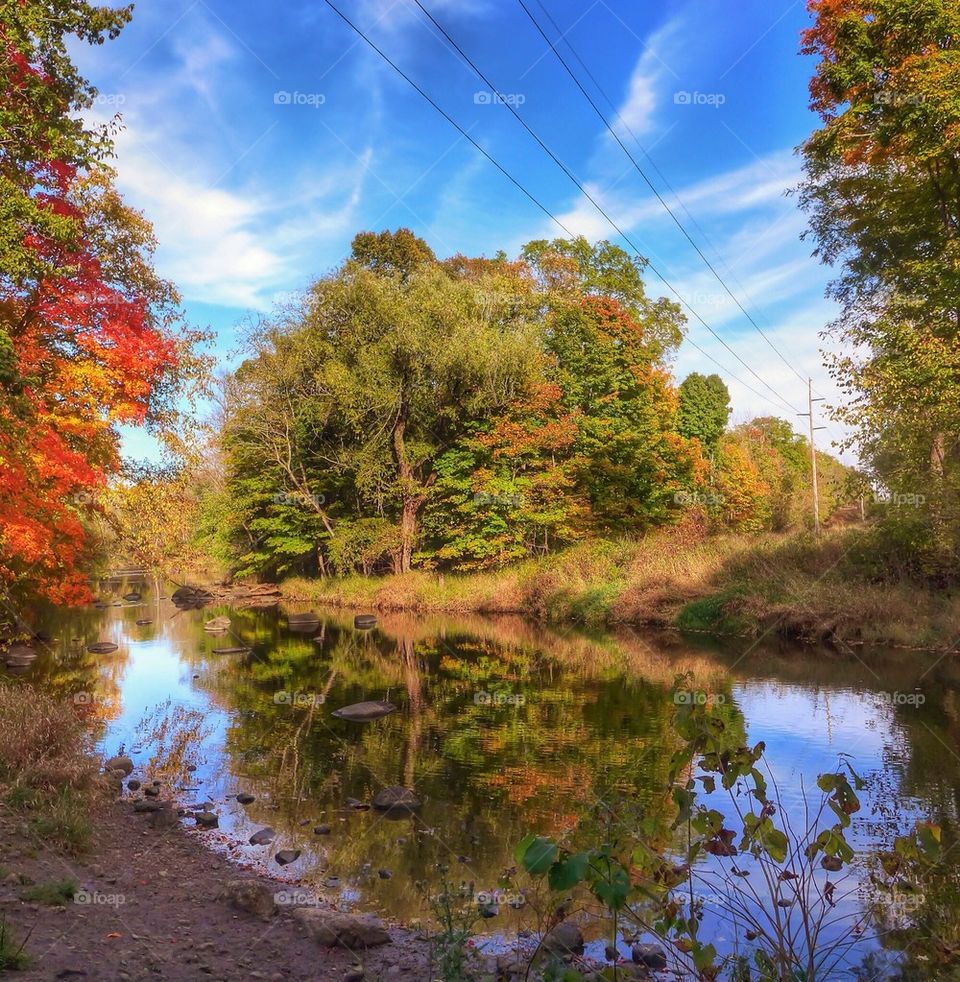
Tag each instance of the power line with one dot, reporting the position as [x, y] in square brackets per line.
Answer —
[653, 188]
[506, 102]
[543, 207]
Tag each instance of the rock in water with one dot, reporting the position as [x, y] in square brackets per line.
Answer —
[363, 622]
[396, 799]
[287, 856]
[218, 625]
[121, 763]
[144, 621]
[303, 623]
[206, 820]
[263, 837]
[132, 597]
[20, 656]
[651, 955]
[251, 896]
[363, 712]
[231, 651]
[332, 928]
[245, 798]
[101, 647]
[565, 939]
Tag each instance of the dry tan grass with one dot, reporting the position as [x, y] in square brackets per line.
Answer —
[785, 583]
[47, 765]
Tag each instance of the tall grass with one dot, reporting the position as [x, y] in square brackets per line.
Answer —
[47, 766]
[788, 584]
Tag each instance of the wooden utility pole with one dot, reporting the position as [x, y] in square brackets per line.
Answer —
[813, 455]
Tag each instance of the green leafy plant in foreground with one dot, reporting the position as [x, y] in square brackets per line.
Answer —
[777, 888]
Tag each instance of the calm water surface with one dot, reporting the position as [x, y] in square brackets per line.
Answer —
[503, 728]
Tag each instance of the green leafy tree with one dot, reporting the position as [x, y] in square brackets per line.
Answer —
[704, 408]
[883, 192]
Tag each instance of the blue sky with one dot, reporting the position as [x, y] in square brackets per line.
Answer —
[260, 137]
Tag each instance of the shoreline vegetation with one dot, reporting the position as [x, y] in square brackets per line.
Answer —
[783, 585]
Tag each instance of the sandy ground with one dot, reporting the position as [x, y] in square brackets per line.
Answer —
[154, 912]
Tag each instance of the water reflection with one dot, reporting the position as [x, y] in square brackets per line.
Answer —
[502, 728]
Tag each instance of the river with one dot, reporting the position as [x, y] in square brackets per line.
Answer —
[503, 728]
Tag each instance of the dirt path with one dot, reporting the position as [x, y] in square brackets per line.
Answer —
[153, 912]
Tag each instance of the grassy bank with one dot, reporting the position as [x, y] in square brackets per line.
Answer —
[789, 585]
[48, 771]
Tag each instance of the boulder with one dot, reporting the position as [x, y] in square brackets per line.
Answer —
[206, 820]
[564, 940]
[287, 856]
[651, 955]
[251, 896]
[263, 837]
[363, 622]
[245, 798]
[336, 929]
[164, 817]
[396, 798]
[120, 763]
[20, 656]
[364, 712]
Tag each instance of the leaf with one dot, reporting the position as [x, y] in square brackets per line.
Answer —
[566, 873]
[538, 856]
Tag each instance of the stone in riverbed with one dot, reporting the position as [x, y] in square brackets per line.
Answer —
[251, 896]
[20, 656]
[322, 830]
[217, 625]
[245, 798]
[133, 785]
[121, 763]
[147, 805]
[263, 837]
[333, 928]
[287, 856]
[152, 791]
[101, 647]
[565, 939]
[206, 820]
[164, 817]
[396, 799]
[651, 955]
[363, 712]
[143, 621]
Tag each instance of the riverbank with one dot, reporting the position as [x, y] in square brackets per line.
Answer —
[785, 585]
[99, 886]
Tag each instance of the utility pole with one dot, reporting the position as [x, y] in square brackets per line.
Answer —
[813, 455]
